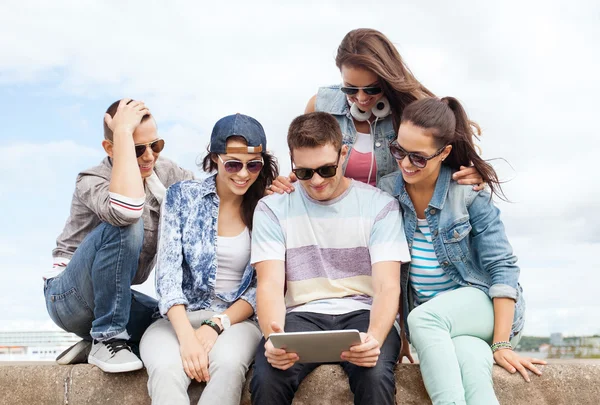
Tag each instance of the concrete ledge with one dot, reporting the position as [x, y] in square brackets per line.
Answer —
[561, 383]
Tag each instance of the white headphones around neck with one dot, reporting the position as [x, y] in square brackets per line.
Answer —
[381, 110]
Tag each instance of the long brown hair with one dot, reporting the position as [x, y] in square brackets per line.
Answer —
[370, 49]
[265, 178]
[448, 123]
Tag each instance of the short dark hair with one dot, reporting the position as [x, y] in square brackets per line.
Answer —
[112, 110]
[314, 129]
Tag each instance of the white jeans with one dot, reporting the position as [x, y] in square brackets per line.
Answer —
[229, 360]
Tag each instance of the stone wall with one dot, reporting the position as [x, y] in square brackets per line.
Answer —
[561, 383]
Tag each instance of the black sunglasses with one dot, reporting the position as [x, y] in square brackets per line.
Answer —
[156, 146]
[234, 166]
[351, 91]
[416, 159]
[326, 171]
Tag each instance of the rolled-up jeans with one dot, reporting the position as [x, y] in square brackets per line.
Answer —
[452, 334]
[92, 297]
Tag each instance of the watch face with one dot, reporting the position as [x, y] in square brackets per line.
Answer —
[224, 320]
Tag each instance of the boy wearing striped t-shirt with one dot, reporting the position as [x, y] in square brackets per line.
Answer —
[335, 246]
[109, 243]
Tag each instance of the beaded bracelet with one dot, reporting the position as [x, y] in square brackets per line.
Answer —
[501, 345]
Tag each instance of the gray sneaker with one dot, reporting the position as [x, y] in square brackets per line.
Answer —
[78, 353]
[114, 356]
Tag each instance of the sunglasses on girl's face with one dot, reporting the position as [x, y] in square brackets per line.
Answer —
[234, 166]
[325, 172]
[157, 146]
[351, 91]
[416, 159]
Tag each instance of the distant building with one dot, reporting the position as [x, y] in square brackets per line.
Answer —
[575, 347]
[556, 339]
[34, 346]
[592, 341]
[544, 348]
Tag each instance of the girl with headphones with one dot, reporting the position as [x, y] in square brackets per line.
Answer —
[376, 87]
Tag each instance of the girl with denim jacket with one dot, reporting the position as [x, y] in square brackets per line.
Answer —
[377, 86]
[462, 283]
[205, 284]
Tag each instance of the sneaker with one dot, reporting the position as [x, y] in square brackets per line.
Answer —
[114, 356]
[78, 353]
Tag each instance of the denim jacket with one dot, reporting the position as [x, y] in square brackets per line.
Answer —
[186, 268]
[331, 100]
[468, 238]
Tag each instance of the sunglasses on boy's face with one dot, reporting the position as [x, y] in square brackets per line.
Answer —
[234, 166]
[325, 172]
[416, 159]
[157, 146]
[351, 91]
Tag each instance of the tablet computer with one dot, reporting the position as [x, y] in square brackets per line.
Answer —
[317, 347]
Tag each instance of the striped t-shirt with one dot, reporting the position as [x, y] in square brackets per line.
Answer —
[427, 277]
[329, 247]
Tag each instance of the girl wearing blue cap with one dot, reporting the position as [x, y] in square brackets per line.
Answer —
[205, 284]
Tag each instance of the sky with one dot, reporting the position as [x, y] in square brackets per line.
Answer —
[526, 71]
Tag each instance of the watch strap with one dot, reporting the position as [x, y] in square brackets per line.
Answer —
[212, 325]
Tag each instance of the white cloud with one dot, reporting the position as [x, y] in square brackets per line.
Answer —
[51, 151]
[528, 77]
[8, 249]
[27, 325]
[41, 177]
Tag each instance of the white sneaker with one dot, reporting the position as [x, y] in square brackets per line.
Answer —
[78, 353]
[114, 356]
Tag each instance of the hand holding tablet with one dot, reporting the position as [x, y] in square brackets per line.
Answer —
[317, 346]
[278, 358]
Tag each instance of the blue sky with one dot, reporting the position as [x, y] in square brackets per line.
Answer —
[526, 72]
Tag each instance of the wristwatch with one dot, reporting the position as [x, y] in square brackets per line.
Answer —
[224, 318]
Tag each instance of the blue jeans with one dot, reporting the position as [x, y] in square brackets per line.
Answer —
[370, 385]
[92, 297]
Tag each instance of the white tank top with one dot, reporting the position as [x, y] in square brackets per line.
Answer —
[363, 143]
[233, 254]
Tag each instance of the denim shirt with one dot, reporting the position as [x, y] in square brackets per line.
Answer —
[186, 268]
[331, 100]
[468, 238]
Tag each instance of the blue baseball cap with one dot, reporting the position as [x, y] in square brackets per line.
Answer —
[238, 125]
